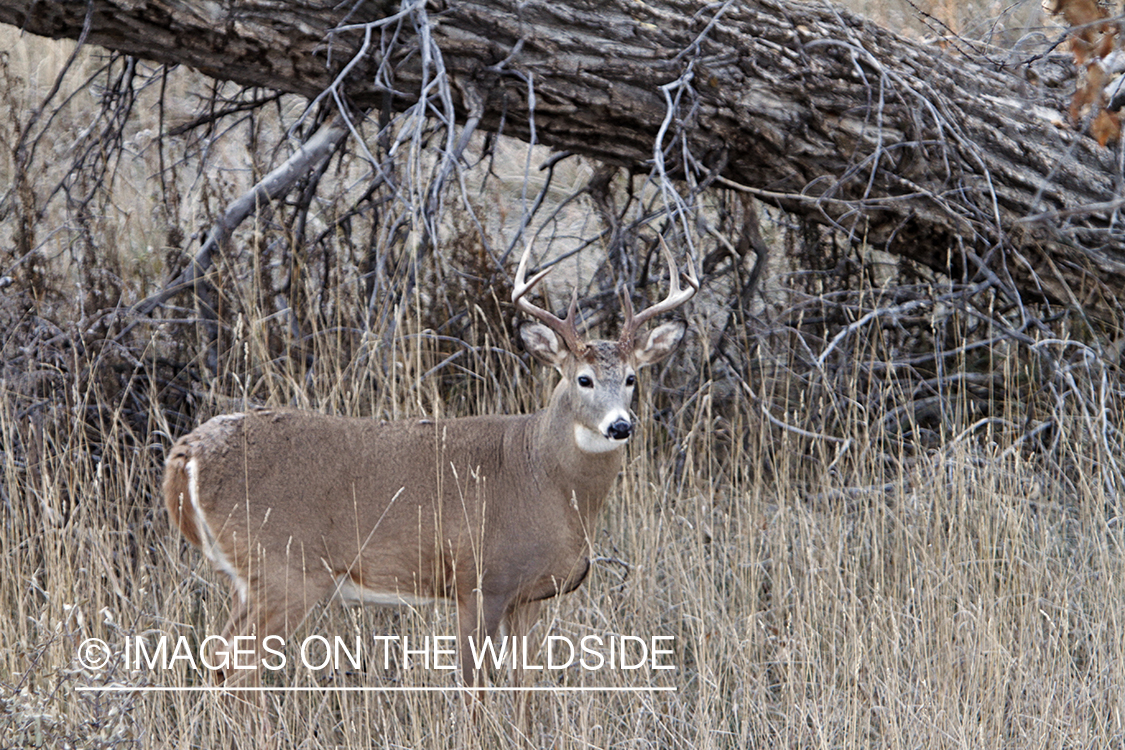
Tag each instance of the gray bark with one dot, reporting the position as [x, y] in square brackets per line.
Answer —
[926, 153]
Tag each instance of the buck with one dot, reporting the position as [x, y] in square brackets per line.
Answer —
[492, 512]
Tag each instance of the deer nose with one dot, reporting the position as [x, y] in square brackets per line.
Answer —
[620, 430]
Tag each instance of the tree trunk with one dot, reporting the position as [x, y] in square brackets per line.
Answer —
[926, 153]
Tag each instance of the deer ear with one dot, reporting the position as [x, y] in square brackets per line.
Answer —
[543, 343]
[660, 343]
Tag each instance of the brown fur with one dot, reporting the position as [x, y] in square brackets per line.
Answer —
[176, 497]
[493, 512]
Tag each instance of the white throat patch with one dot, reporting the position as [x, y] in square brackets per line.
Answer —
[590, 441]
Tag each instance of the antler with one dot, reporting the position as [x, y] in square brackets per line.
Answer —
[565, 328]
[676, 297]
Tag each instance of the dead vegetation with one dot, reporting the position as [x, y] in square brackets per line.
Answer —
[875, 505]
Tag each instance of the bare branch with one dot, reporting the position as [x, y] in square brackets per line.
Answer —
[276, 184]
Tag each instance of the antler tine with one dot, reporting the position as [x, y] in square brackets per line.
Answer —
[565, 328]
[677, 296]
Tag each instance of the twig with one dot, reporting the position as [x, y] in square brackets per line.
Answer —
[1067, 213]
[896, 310]
[274, 185]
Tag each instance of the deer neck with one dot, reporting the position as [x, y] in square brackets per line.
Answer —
[583, 478]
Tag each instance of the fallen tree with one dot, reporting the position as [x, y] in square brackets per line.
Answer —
[938, 156]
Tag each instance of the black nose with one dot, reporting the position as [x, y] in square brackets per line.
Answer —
[620, 430]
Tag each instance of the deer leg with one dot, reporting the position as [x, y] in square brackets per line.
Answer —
[265, 613]
[467, 616]
[476, 621]
[251, 709]
[520, 622]
[248, 633]
[253, 626]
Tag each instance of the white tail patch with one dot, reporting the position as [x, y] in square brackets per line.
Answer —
[211, 548]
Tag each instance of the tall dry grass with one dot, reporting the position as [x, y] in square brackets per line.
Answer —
[969, 602]
[832, 582]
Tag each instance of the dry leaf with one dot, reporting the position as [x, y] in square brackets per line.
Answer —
[1089, 92]
[1106, 127]
[1092, 39]
[1079, 12]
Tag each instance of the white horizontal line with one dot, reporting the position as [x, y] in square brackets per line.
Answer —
[398, 689]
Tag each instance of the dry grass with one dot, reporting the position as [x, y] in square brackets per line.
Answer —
[851, 590]
[968, 603]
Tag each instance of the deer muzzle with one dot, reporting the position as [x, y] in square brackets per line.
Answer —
[620, 430]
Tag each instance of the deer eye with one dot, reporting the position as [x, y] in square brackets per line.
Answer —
[630, 381]
[585, 381]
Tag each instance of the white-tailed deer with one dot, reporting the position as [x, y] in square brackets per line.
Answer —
[490, 511]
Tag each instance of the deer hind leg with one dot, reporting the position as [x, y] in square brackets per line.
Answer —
[263, 617]
[261, 621]
[239, 649]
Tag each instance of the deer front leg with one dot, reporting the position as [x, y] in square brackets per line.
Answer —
[520, 622]
[478, 624]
